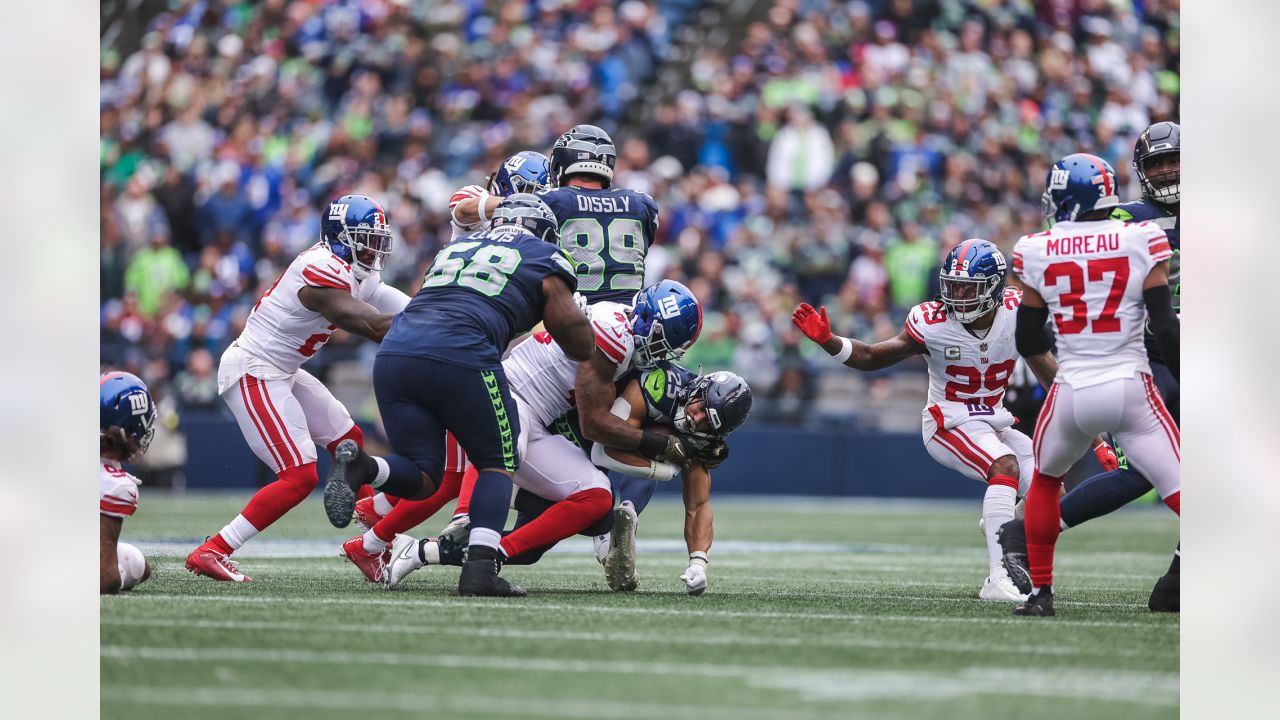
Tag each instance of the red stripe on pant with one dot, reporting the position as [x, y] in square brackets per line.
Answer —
[973, 446]
[567, 517]
[1043, 519]
[959, 450]
[408, 514]
[1042, 422]
[1162, 416]
[464, 495]
[274, 433]
[284, 429]
[248, 407]
[1174, 502]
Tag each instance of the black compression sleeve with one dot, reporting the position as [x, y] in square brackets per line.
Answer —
[653, 444]
[1030, 335]
[1164, 324]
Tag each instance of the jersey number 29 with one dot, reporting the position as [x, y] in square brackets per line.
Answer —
[487, 272]
[587, 242]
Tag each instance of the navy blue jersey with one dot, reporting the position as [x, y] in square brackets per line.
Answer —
[607, 233]
[664, 389]
[1144, 209]
[481, 291]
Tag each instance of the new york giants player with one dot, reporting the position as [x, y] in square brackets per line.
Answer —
[471, 207]
[1155, 161]
[127, 417]
[968, 340]
[439, 369]
[606, 230]
[282, 409]
[1100, 278]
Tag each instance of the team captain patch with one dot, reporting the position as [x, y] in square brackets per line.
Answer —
[951, 352]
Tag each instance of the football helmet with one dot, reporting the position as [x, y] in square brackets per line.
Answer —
[585, 149]
[726, 401]
[524, 172]
[530, 213]
[355, 229]
[972, 279]
[1077, 184]
[126, 409]
[666, 319]
[1162, 138]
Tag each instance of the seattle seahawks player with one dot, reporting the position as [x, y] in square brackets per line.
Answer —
[439, 368]
[606, 230]
[968, 339]
[1156, 163]
[471, 206]
[127, 417]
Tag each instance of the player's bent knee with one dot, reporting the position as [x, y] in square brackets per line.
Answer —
[300, 481]
[1006, 466]
[133, 566]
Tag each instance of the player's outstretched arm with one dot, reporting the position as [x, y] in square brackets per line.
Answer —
[699, 530]
[109, 581]
[853, 353]
[388, 299]
[341, 309]
[1162, 317]
[564, 320]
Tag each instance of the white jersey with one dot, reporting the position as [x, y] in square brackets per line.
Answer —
[464, 193]
[543, 376]
[117, 490]
[281, 332]
[968, 375]
[1090, 275]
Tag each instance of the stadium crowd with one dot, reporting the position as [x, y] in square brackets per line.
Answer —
[832, 153]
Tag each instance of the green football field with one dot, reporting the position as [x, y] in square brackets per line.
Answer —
[817, 608]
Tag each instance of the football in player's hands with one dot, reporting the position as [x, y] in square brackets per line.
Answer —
[695, 579]
[813, 323]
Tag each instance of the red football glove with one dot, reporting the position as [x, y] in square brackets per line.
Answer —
[1106, 457]
[813, 323]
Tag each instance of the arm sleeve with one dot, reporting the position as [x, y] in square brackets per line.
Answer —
[1164, 325]
[656, 470]
[388, 299]
[1030, 335]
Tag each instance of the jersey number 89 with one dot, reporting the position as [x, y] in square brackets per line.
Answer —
[585, 240]
[487, 272]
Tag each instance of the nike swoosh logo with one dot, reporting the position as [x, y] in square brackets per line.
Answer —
[407, 552]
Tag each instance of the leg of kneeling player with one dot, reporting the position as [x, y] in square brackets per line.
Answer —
[134, 568]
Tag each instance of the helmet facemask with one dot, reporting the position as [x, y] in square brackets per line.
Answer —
[653, 347]
[1161, 184]
[966, 298]
[369, 247]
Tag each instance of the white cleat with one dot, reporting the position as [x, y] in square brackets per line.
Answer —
[620, 562]
[404, 560]
[999, 588]
[982, 527]
[602, 543]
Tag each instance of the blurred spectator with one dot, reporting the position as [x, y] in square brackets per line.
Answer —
[801, 154]
[197, 384]
[154, 271]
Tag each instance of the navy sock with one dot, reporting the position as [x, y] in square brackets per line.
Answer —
[638, 490]
[490, 500]
[1102, 494]
[404, 479]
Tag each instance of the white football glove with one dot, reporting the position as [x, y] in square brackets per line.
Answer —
[581, 301]
[695, 578]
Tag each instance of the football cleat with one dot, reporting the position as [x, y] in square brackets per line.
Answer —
[620, 562]
[406, 556]
[1013, 541]
[1166, 596]
[999, 588]
[1038, 604]
[345, 476]
[455, 535]
[365, 516]
[211, 563]
[372, 565]
[480, 577]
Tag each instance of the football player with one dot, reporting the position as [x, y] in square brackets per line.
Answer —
[283, 410]
[471, 207]
[1155, 161]
[127, 417]
[968, 341]
[1103, 281]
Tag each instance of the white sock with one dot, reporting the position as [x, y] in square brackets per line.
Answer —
[602, 545]
[238, 532]
[430, 552]
[381, 504]
[486, 537]
[997, 509]
[372, 543]
[1062, 525]
[384, 472]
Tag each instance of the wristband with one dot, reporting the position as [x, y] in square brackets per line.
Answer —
[652, 444]
[480, 206]
[846, 350]
[698, 557]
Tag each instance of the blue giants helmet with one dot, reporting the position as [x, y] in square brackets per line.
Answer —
[727, 402]
[585, 149]
[355, 229]
[126, 410]
[1077, 184]
[524, 172]
[665, 319]
[972, 279]
[529, 212]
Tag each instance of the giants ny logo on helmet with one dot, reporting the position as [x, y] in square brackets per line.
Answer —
[669, 307]
[337, 211]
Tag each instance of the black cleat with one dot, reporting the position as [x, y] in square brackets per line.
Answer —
[352, 467]
[1013, 541]
[1040, 604]
[1166, 594]
[480, 575]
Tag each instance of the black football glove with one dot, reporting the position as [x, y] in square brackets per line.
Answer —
[712, 454]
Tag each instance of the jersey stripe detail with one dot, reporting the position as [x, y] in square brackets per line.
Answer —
[318, 279]
[107, 507]
[1162, 416]
[612, 348]
[913, 332]
[249, 408]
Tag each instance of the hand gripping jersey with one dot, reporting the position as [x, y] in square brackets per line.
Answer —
[281, 331]
[480, 293]
[117, 490]
[543, 377]
[607, 233]
[1090, 275]
[1138, 211]
[968, 375]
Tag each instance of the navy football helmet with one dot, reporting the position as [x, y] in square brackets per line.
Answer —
[126, 410]
[585, 149]
[524, 172]
[1162, 185]
[355, 229]
[726, 401]
[1077, 184]
[666, 319]
[972, 279]
[530, 213]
